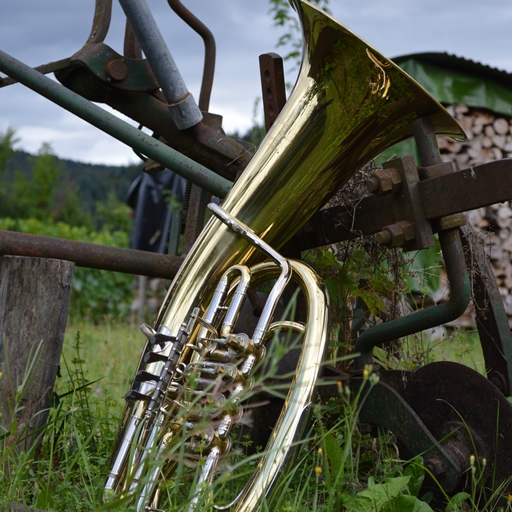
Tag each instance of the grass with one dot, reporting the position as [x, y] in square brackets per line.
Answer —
[440, 344]
[111, 351]
[339, 467]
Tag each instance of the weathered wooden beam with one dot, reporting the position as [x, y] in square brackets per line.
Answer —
[34, 303]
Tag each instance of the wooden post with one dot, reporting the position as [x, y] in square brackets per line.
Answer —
[34, 303]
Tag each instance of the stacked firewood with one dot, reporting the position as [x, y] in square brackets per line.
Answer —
[489, 138]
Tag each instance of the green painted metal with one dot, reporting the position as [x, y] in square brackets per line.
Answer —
[451, 87]
[99, 58]
[457, 272]
[460, 294]
[138, 140]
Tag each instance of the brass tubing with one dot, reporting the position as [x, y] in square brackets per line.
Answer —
[90, 255]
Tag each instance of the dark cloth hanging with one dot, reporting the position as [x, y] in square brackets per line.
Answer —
[151, 196]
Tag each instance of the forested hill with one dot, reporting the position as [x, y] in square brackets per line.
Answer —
[92, 182]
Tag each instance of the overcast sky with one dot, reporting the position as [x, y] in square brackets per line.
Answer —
[39, 31]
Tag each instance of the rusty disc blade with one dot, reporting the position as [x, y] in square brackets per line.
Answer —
[444, 394]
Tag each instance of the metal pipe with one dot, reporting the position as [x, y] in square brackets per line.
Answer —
[460, 294]
[456, 270]
[101, 22]
[90, 255]
[131, 47]
[209, 50]
[138, 140]
[181, 103]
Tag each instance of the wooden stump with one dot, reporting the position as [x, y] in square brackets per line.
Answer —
[34, 303]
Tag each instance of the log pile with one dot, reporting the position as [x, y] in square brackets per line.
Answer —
[489, 138]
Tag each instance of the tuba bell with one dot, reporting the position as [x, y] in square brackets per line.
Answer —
[349, 104]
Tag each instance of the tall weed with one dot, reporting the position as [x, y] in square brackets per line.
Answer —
[69, 471]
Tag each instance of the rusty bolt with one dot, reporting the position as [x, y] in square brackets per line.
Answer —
[396, 235]
[435, 466]
[498, 380]
[450, 221]
[117, 69]
[384, 181]
[384, 237]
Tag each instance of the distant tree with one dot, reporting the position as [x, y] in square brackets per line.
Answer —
[35, 192]
[7, 143]
[8, 140]
[69, 208]
[45, 188]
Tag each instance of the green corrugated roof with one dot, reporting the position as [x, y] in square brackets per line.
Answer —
[451, 79]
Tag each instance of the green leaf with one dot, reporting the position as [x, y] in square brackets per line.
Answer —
[417, 473]
[457, 500]
[377, 496]
[44, 500]
[406, 503]
[356, 503]
[334, 453]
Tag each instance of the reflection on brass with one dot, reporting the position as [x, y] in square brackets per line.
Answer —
[349, 104]
[382, 85]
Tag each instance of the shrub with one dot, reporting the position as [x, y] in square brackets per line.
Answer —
[96, 293]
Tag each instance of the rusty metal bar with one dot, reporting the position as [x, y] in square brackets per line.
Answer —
[140, 141]
[490, 315]
[457, 192]
[89, 255]
[195, 217]
[209, 51]
[273, 88]
[131, 47]
[100, 26]
[101, 22]
[461, 191]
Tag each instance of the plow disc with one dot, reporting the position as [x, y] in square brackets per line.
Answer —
[471, 419]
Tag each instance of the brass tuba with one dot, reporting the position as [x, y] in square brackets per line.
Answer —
[349, 104]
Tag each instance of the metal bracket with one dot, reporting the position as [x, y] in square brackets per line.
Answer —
[114, 69]
[272, 86]
[408, 204]
[437, 198]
